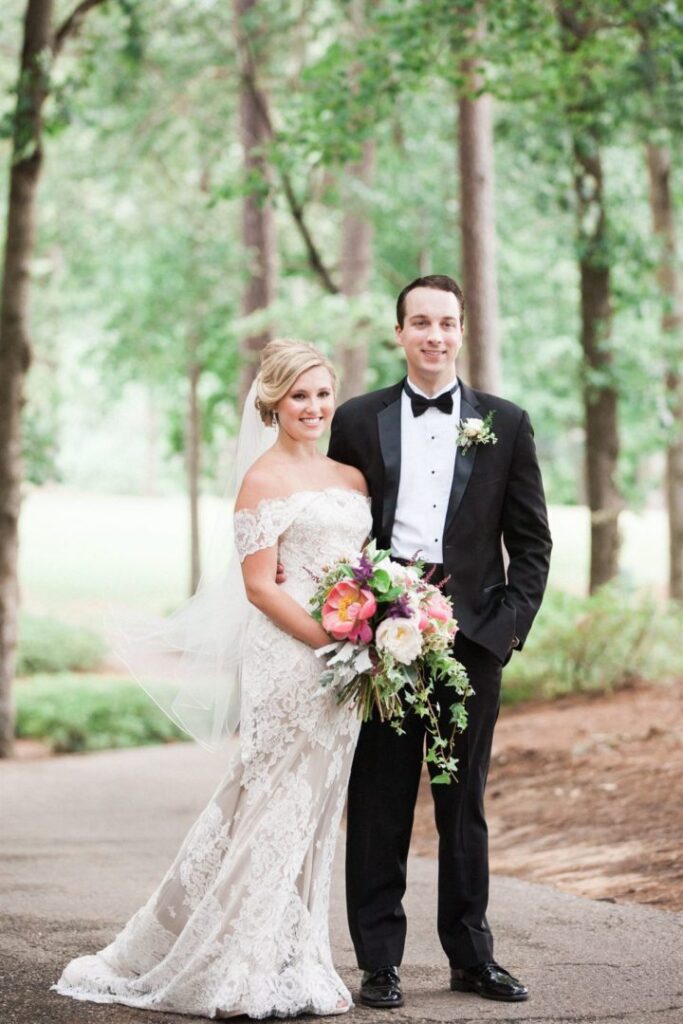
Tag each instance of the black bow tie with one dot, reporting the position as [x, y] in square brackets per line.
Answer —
[420, 404]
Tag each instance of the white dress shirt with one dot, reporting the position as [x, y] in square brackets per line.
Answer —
[428, 451]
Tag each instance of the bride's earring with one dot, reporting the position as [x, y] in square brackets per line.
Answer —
[276, 421]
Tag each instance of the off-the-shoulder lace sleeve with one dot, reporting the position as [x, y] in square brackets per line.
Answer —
[259, 527]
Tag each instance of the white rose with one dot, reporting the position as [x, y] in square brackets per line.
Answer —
[401, 638]
[472, 427]
[396, 571]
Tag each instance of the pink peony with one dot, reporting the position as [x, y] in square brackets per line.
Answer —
[347, 608]
[437, 606]
[436, 614]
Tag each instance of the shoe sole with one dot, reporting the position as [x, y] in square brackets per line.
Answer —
[464, 986]
[377, 1004]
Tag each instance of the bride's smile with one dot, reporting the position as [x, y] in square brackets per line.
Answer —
[305, 412]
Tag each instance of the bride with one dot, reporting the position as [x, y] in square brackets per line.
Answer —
[239, 924]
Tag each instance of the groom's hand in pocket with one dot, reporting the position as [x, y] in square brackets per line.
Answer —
[280, 574]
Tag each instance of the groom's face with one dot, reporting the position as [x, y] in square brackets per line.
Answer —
[431, 336]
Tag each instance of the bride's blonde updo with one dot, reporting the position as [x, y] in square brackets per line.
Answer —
[282, 361]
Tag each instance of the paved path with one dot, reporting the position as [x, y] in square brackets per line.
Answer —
[84, 839]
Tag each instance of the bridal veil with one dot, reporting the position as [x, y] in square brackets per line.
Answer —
[190, 662]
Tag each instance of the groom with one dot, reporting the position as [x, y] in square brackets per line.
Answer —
[457, 508]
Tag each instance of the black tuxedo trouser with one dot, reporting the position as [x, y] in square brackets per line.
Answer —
[382, 793]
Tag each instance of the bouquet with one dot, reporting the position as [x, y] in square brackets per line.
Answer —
[393, 631]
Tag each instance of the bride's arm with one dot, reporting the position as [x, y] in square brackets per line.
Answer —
[258, 571]
[259, 568]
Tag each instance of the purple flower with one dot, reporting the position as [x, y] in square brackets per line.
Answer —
[364, 571]
[400, 608]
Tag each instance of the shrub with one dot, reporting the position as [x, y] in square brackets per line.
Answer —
[78, 713]
[46, 645]
[599, 643]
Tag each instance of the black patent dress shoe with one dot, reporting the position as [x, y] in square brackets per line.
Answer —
[381, 988]
[489, 980]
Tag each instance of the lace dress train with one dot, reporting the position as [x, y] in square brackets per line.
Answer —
[239, 924]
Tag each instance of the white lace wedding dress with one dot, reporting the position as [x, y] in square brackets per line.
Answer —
[239, 925]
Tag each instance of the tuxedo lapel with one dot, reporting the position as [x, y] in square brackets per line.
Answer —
[464, 461]
[389, 428]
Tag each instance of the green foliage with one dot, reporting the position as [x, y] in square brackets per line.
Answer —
[596, 644]
[139, 265]
[39, 448]
[74, 714]
[47, 646]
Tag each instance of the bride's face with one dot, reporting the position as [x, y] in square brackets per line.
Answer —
[306, 410]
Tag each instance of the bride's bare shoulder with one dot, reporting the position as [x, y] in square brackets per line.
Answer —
[351, 477]
[262, 480]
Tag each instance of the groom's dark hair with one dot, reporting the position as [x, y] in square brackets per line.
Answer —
[439, 281]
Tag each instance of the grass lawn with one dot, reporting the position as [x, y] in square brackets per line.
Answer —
[81, 552]
[644, 549]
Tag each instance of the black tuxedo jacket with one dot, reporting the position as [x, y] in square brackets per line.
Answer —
[496, 496]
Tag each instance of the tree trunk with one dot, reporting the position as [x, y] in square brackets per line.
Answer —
[15, 345]
[193, 458]
[356, 267]
[599, 392]
[664, 223]
[600, 395]
[258, 228]
[478, 229]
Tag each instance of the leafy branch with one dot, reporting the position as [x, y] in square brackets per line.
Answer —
[296, 207]
[72, 25]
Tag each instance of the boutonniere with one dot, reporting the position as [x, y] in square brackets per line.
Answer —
[475, 431]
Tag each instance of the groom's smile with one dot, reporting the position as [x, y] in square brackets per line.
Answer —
[431, 336]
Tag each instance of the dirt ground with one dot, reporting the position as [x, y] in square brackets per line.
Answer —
[586, 794]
